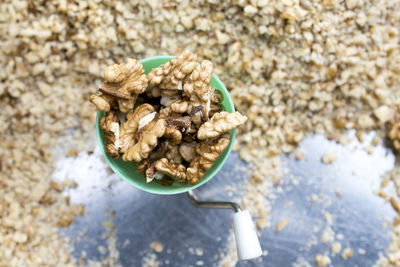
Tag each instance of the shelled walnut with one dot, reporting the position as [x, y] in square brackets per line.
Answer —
[168, 167]
[206, 155]
[170, 75]
[109, 124]
[130, 126]
[167, 129]
[199, 91]
[220, 123]
[147, 141]
[103, 102]
[124, 82]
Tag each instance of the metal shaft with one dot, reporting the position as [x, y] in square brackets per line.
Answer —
[213, 204]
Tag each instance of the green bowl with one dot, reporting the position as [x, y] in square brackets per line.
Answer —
[127, 171]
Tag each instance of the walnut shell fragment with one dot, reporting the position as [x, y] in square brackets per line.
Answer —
[220, 123]
[206, 155]
[170, 75]
[147, 141]
[109, 124]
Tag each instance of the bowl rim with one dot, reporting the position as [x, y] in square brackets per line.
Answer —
[168, 190]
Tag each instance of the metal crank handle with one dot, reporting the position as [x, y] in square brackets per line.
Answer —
[247, 244]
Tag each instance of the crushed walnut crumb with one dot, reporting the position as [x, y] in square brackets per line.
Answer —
[329, 157]
[281, 224]
[157, 246]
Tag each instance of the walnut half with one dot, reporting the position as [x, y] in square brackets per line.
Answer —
[124, 82]
[130, 126]
[220, 123]
[206, 155]
[170, 75]
[176, 171]
[147, 141]
[103, 102]
[109, 124]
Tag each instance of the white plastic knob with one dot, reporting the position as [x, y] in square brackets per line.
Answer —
[247, 244]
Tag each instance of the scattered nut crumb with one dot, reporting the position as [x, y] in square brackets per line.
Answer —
[360, 136]
[281, 224]
[339, 237]
[328, 218]
[336, 247]
[347, 253]
[157, 246]
[375, 140]
[322, 260]
[314, 198]
[369, 149]
[299, 155]
[329, 157]
[361, 251]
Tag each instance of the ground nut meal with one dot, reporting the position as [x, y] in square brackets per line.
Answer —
[169, 122]
[293, 67]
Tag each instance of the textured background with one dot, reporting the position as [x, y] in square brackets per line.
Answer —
[182, 228]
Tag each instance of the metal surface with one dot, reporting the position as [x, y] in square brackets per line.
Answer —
[212, 204]
[193, 236]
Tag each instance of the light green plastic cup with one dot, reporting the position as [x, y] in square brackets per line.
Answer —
[127, 170]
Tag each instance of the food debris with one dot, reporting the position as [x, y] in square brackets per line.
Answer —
[329, 157]
[281, 224]
[336, 247]
[347, 253]
[375, 140]
[339, 236]
[395, 204]
[328, 218]
[328, 235]
[126, 243]
[199, 263]
[322, 260]
[157, 246]
[300, 73]
[360, 136]
[199, 252]
[314, 198]
[261, 223]
[299, 155]
[150, 260]
[369, 149]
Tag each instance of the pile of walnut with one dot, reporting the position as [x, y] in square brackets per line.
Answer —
[169, 122]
